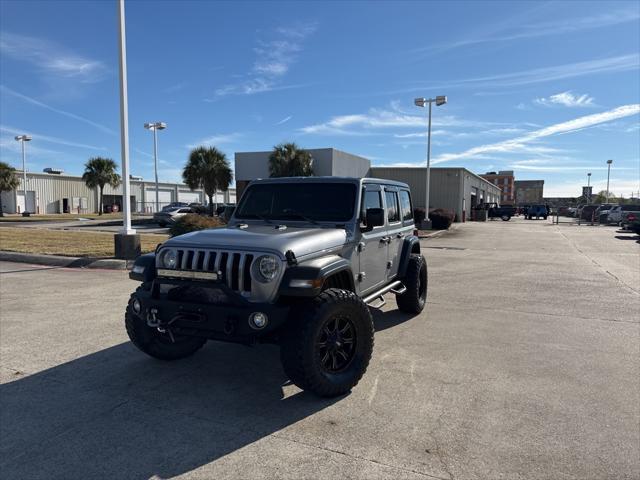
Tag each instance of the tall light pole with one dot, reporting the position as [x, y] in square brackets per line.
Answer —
[609, 162]
[155, 126]
[124, 124]
[422, 102]
[588, 185]
[22, 139]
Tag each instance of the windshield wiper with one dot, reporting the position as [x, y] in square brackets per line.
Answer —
[256, 215]
[291, 212]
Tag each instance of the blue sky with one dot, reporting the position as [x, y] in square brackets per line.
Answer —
[548, 89]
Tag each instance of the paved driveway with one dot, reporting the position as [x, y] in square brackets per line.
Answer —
[524, 365]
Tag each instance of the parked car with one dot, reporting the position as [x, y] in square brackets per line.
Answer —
[602, 212]
[617, 212]
[629, 218]
[587, 213]
[166, 217]
[635, 227]
[288, 270]
[537, 211]
[495, 211]
[173, 205]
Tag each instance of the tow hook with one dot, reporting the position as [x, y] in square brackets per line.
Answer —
[154, 322]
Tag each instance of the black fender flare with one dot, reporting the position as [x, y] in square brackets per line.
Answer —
[316, 271]
[146, 268]
[408, 246]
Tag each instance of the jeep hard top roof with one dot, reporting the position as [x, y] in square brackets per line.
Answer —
[358, 180]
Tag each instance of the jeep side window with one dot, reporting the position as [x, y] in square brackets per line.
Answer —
[393, 212]
[371, 199]
[405, 202]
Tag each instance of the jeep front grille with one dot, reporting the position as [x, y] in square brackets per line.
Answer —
[234, 267]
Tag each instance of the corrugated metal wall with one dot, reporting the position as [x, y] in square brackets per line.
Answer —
[449, 188]
[50, 190]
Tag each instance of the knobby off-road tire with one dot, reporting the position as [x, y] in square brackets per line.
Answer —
[416, 281]
[336, 320]
[154, 343]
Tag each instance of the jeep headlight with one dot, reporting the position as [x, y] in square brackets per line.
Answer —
[267, 268]
[169, 258]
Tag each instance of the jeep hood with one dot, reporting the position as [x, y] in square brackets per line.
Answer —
[267, 238]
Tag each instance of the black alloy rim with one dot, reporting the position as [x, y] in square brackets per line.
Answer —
[336, 345]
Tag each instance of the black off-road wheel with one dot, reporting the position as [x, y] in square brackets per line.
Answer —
[155, 343]
[505, 218]
[328, 343]
[416, 281]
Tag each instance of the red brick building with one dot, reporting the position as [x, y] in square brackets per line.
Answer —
[505, 180]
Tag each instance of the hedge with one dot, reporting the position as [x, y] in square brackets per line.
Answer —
[192, 223]
[441, 219]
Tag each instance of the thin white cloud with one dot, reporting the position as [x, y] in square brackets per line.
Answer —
[215, 140]
[273, 60]
[621, 63]
[566, 99]
[284, 120]
[516, 30]
[37, 137]
[522, 142]
[378, 119]
[7, 91]
[51, 58]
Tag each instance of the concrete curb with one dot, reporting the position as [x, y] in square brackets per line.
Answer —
[437, 233]
[60, 261]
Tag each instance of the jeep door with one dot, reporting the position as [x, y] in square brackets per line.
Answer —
[399, 225]
[372, 249]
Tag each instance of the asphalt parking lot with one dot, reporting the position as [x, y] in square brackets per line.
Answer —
[525, 364]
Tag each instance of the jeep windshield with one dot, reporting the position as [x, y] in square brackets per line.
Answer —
[316, 202]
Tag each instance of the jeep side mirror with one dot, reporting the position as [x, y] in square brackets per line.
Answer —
[374, 217]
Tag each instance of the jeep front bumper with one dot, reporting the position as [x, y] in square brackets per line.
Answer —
[217, 313]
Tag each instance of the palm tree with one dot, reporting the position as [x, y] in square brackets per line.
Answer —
[207, 168]
[289, 160]
[99, 172]
[8, 181]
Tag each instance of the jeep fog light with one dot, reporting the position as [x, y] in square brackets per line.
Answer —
[258, 320]
[137, 306]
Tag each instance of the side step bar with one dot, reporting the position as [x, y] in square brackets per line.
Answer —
[395, 287]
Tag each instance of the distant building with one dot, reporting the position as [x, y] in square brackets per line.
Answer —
[529, 191]
[505, 180]
[58, 193]
[455, 189]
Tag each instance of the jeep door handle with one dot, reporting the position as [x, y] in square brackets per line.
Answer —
[399, 235]
[385, 240]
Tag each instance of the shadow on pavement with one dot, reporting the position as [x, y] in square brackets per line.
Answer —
[117, 413]
[628, 237]
[393, 318]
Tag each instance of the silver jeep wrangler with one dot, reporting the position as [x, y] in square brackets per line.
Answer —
[299, 264]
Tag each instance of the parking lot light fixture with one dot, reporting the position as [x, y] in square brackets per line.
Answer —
[155, 126]
[422, 102]
[609, 162]
[22, 139]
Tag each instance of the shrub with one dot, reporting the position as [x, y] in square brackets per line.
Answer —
[193, 222]
[419, 215]
[441, 219]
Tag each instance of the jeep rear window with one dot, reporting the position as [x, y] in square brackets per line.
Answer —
[322, 202]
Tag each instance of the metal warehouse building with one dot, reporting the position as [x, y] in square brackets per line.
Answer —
[53, 193]
[455, 189]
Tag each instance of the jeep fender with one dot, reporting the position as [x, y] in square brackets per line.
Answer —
[410, 245]
[316, 271]
[144, 268]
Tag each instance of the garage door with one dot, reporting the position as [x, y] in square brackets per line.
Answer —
[189, 197]
[165, 197]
